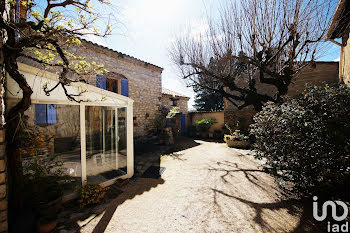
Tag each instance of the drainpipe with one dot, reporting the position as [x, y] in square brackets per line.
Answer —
[340, 59]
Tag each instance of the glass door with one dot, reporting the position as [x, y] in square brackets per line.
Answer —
[105, 143]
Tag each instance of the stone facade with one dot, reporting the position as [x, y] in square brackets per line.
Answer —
[3, 174]
[322, 73]
[182, 103]
[171, 99]
[345, 61]
[144, 79]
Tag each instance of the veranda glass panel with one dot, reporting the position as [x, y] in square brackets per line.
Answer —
[105, 143]
[57, 126]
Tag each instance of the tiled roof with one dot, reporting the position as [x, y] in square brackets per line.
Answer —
[340, 20]
[120, 54]
[170, 92]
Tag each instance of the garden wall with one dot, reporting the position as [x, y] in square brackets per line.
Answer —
[196, 116]
[320, 74]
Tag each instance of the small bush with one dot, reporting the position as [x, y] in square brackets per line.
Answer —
[307, 140]
[91, 194]
[205, 124]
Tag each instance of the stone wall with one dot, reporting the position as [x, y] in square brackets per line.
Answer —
[144, 79]
[218, 116]
[182, 103]
[3, 174]
[322, 73]
[346, 61]
[64, 133]
[3, 164]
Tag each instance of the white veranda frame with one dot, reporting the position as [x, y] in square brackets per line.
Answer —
[92, 96]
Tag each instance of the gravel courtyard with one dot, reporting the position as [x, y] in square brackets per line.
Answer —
[206, 188]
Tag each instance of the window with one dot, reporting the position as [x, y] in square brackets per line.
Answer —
[112, 85]
[45, 114]
[117, 84]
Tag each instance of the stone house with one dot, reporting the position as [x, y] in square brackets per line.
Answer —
[320, 74]
[340, 29]
[171, 99]
[128, 76]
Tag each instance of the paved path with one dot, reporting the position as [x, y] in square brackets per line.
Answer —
[206, 188]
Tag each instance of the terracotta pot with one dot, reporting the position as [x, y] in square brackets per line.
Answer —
[47, 227]
[50, 208]
[238, 144]
[204, 134]
[102, 195]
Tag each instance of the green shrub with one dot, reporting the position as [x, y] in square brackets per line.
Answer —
[307, 140]
[205, 124]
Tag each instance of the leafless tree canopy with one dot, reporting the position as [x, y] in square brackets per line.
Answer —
[254, 42]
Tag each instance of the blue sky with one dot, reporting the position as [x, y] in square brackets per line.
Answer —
[149, 27]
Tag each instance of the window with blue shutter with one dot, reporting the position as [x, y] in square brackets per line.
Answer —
[101, 81]
[125, 87]
[40, 114]
[51, 114]
[45, 114]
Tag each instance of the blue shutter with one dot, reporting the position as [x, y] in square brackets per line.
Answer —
[51, 114]
[40, 114]
[125, 87]
[101, 81]
[168, 122]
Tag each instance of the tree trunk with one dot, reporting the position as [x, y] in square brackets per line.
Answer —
[15, 171]
[13, 128]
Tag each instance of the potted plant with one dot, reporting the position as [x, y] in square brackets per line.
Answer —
[44, 180]
[44, 175]
[91, 194]
[47, 224]
[236, 139]
[204, 126]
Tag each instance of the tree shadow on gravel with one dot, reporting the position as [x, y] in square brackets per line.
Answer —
[294, 207]
[140, 186]
[229, 169]
[300, 207]
[73, 218]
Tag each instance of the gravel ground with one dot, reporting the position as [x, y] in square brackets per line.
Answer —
[206, 188]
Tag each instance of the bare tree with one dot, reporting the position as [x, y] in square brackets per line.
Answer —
[253, 44]
[41, 31]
